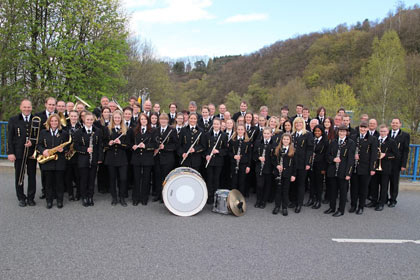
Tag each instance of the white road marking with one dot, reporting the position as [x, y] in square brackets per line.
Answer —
[380, 241]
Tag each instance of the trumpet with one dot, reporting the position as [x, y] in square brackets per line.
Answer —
[52, 153]
[379, 156]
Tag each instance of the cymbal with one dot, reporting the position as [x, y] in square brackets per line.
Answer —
[236, 202]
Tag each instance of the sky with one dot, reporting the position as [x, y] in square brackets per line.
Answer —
[181, 28]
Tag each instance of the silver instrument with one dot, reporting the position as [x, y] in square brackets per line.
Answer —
[262, 163]
[192, 146]
[313, 156]
[91, 146]
[337, 164]
[238, 160]
[278, 178]
[163, 142]
[212, 150]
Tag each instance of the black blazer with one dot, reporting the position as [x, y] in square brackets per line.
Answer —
[245, 152]
[303, 149]
[253, 133]
[389, 147]
[81, 144]
[143, 156]
[347, 151]
[236, 116]
[289, 165]
[43, 116]
[47, 141]
[186, 139]
[72, 131]
[403, 144]
[17, 131]
[116, 155]
[217, 159]
[258, 150]
[320, 149]
[203, 126]
[167, 154]
[368, 153]
[172, 120]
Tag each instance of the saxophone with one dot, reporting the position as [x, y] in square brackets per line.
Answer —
[52, 153]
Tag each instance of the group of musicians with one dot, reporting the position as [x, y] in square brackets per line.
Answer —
[279, 157]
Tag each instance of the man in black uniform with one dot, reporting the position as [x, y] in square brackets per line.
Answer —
[402, 140]
[364, 168]
[340, 158]
[98, 110]
[243, 107]
[18, 134]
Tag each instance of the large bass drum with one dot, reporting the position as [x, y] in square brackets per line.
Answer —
[184, 192]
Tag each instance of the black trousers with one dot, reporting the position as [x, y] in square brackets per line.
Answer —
[225, 176]
[213, 179]
[31, 174]
[141, 188]
[238, 179]
[54, 184]
[380, 190]
[87, 181]
[282, 193]
[120, 173]
[103, 178]
[317, 183]
[338, 185]
[72, 178]
[251, 179]
[394, 184]
[263, 186]
[297, 190]
[157, 177]
[164, 170]
[359, 189]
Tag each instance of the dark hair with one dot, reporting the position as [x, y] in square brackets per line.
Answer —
[285, 107]
[291, 125]
[299, 105]
[137, 129]
[133, 97]
[128, 108]
[173, 103]
[319, 111]
[331, 131]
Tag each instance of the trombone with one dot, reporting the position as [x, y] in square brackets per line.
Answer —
[33, 136]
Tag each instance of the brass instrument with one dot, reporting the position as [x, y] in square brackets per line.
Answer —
[379, 156]
[63, 119]
[118, 105]
[33, 135]
[192, 146]
[212, 150]
[52, 153]
[71, 152]
[82, 101]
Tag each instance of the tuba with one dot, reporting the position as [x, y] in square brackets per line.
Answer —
[52, 153]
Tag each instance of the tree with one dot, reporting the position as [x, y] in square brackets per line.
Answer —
[411, 101]
[233, 101]
[339, 96]
[384, 77]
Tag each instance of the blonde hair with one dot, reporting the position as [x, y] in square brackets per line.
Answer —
[235, 134]
[48, 122]
[277, 128]
[112, 123]
[299, 119]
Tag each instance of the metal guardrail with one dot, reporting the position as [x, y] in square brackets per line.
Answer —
[412, 172]
[3, 139]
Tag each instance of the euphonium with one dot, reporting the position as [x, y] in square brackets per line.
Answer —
[52, 153]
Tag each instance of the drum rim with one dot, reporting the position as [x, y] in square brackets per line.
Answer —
[200, 206]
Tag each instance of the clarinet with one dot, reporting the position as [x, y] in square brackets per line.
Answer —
[262, 163]
[313, 155]
[356, 162]
[337, 164]
[90, 146]
[278, 178]
[238, 160]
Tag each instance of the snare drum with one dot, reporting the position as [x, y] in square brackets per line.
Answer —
[229, 201]
[184, 192]
[220, 204]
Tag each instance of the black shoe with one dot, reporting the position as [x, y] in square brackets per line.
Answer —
[22, 203]
[379, 208]
[31, 202]
[114, 202]
[298, 209]
[338, 214]
[284, 212]
[309, 203]
[371, 204]
[317, 205]
[135, 203]
[325, 201]
[262, 205]
[276, 210]
[359, 211]
[291, 205]
[42, 196]
[90, 201]
[156, 198]
[257, 204]
[122, 202]
[85, 202]
[59, 204]
[77, 198]
[392, 204]
[329, 211]
[352, 209]
[71, 197]
[144, 202]
[49, 205]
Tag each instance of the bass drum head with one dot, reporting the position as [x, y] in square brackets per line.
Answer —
[184, 192]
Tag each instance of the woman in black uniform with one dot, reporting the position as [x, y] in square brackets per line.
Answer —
[103, 176]
[72, 171]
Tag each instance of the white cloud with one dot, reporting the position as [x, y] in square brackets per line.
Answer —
[138, 3]
[174, 11]
[246, 18]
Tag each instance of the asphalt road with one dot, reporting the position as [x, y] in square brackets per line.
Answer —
[148, 242]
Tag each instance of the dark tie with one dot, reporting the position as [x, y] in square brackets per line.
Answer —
[126, 124]
[162, 131]
[243, 114]
[266, 142]
[341, 142]
[179, 129]
[393, 134]
[117, 129]
[192, 129]
[381, 141]
[88, 131]
[143, 130]
[205, 123]
[316, 142]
